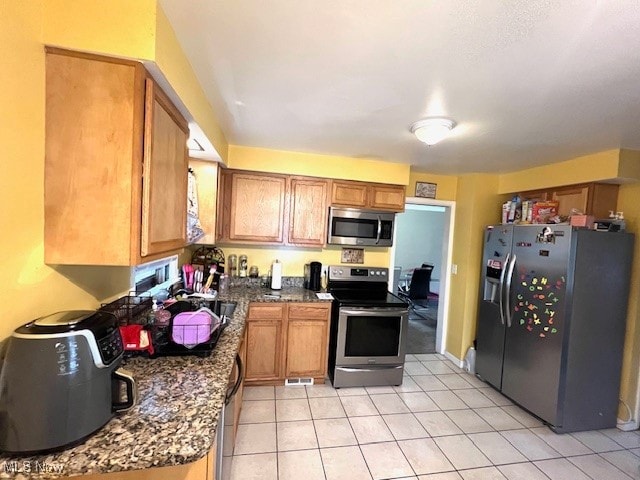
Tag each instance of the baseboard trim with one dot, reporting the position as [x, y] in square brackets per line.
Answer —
[454, 359]
[628, 425]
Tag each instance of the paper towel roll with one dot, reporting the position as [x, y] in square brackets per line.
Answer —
[276, 275]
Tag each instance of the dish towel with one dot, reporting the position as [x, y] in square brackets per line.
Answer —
[194, 228]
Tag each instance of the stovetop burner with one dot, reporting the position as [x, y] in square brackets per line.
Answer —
[362, 286]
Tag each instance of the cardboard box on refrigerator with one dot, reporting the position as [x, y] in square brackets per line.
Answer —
[582, 220]
[542, 212]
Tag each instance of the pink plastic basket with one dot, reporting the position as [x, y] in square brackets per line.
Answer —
[193, 328]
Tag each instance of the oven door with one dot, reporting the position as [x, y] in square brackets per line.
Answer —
[371, 336]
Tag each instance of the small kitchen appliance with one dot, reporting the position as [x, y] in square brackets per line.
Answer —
[60, 381]
[352, 226]
[315, 275]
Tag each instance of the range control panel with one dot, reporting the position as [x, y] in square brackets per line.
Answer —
[365, 274]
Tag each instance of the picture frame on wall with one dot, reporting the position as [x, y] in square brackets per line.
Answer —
[352, 255]
[426, 190]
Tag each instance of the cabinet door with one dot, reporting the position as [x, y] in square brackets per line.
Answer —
[91, 164]
[307, 340]
[349, 194]
[164, 206]
[571, 197]
[603, 198]
[264, 349]
[264, 341]
[309, 211]
[257, 208]
[387, 197]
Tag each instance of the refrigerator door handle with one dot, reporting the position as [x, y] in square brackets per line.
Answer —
[507, 302]
[501, 295]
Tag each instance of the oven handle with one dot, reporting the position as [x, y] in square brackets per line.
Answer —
[374, 311]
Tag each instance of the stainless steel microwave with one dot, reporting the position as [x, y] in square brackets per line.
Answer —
[352, 226]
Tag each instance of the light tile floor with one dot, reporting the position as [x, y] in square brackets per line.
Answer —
[441, 424]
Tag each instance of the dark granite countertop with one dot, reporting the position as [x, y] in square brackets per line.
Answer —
[175, 419]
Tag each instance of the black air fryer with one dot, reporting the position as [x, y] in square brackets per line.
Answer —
[60, 381]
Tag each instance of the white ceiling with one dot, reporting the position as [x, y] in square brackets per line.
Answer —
[529, 82]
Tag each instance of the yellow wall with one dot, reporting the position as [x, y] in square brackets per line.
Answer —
[177, 69]
[206, 174]
[629, 168]
[293, 259]
[32, 288]
[611, 165]
[446, 185]
[629, 204]
[477, 205]
[126, 29]
[122, 28]
[328, 166]
[137, 30]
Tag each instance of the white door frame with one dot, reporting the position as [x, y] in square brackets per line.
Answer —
[445, 270]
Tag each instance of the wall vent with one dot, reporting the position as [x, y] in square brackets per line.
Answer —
[291, 382]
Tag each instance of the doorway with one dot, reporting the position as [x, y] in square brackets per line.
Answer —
[424, 234]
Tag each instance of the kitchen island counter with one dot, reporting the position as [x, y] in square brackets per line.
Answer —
[175, 418]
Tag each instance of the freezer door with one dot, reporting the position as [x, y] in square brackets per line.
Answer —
[535, 323]
[491, 315]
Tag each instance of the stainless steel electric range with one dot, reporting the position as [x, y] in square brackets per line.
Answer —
[368, 328]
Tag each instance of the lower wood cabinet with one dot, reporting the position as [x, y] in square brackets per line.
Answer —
[307, 334]
[286, 340]
[203, 469]
[265, 322]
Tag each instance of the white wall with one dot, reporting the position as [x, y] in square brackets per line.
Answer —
[419, 235]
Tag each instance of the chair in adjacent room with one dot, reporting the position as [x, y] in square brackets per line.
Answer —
[417, 294]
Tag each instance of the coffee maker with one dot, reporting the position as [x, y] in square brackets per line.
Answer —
[60, 381]
[313, 276]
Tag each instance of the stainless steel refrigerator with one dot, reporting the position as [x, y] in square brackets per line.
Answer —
[551, 320]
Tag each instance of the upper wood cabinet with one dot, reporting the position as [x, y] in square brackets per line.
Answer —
[595, 199]
[387, 197]
[257, 207]
[349, 194]
[265, 208]
[271, 209]
[115, 163]
[308, 211]
[377, 196]
[164, 186]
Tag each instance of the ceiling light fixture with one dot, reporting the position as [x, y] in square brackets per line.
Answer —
[432, 130]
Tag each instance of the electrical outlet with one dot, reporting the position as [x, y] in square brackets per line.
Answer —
[454, 269]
